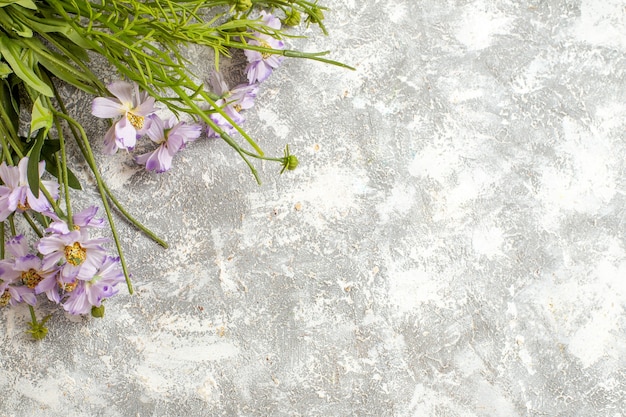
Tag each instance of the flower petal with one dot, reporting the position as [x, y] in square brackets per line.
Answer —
[106, 108]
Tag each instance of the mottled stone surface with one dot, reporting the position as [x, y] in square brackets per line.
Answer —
[451, 245]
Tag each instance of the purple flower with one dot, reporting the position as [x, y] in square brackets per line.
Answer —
[15, 194]
[28, 268]
[171, 136]
[131, 108]
[90, 293]
[82, 221]
[261, 64]
[232, 102]
[77, 256]
[11, 289]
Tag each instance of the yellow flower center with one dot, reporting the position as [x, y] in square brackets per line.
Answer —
[4, 298]
[24, 206]
[265, 55]
[237, 107]
[75, 254]
[31, 278]
[67, 286]
[135, 120]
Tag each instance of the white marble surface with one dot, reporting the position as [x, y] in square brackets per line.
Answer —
[451, 245]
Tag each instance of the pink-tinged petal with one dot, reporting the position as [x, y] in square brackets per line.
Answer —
[17, 246]
[270, 20]
[253, 56]
[9, 175]
[174, 144]
[143, 158]
[68, 273]
[107, 108]
[125, 134]
[51, 260]
[95, 244]
[218, 84]
[40, 205]
[86, 218]
[53, 295]
[154, 161]
[110, 145]
[17, 196]
[155, 131]
[58, 227]
[146, 108]
[77, 303]
[5, 211]
[90, 265]
[46, 284]
[123, 91]
[50, 244]
[165, 159]
[52, 187]
[28, 296]
[258, 71]
[274, 61]
[22, 167]
[27, 262]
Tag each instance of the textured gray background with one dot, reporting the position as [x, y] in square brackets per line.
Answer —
[451, 245]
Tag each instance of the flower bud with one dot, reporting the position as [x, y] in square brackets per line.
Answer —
[292, 18]
[315, 15]
[243, 5]
[292, 162]
[97, 312]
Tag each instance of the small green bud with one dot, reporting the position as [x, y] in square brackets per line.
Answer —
[243, 5]
[38, 332]
[315, 15]
[292, 162]
[38, 329]
[97, 312]
[292, 18]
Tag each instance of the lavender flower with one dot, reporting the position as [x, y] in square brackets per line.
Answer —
[232, 102]
[131, 107]
[11, 289]
[82, 221]
[15, 194]
[171, 136]
[261, 64]
[90, 293]
[77, 255]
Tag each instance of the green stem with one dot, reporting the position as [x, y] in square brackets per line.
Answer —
[32, 224]
[89, 157]
[94, 168]
[133, 220]
[197, 110]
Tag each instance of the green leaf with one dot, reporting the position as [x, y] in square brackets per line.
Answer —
[5, 70]
[11, 52]
[32, 171]
[29, 4]
[41, 117]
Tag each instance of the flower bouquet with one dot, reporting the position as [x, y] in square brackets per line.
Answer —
[48, 250]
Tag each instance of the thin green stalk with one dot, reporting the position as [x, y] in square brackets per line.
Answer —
[32, 225]
[91, 160]
[133, 220]
[93, 167]
[197, 110]
[63, 172]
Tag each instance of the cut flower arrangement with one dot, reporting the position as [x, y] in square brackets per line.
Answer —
[50, 252]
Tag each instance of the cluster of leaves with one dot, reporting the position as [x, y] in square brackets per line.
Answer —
[46, 43]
